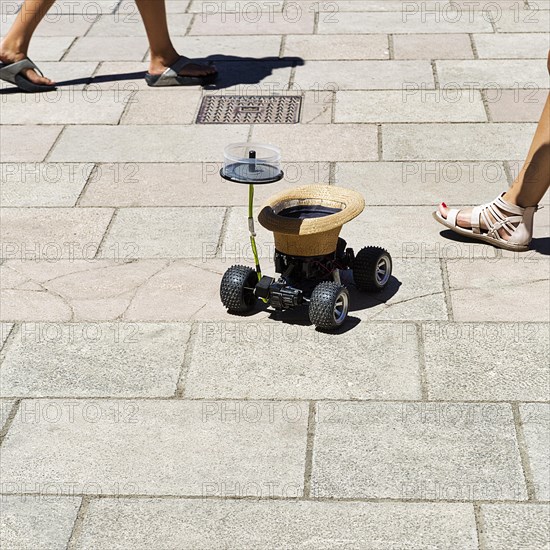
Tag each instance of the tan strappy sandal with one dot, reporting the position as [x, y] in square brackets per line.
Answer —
[516, 221]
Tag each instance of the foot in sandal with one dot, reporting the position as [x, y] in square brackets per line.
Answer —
[20, 70]
[179, 71]
[499, 223]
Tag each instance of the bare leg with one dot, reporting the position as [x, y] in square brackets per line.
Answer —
[533, 180]
[15, 44]
[163, 53]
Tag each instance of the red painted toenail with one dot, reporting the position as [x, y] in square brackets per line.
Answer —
[443, 205]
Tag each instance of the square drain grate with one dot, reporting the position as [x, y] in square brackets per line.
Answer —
[250, 110]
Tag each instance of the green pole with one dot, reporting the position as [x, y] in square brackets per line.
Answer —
[251, 229]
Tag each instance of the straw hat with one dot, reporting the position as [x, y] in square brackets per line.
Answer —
[310, 236]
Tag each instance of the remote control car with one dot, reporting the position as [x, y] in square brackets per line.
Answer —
[309, 254]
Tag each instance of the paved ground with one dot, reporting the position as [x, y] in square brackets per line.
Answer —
[137, 414]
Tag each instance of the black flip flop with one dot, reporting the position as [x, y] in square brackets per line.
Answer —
[11, 72]
[171, 76]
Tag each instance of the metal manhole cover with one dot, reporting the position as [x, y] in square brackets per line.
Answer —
[250, 110]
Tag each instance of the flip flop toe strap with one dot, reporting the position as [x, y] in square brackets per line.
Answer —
[174, 70]
[9, 72]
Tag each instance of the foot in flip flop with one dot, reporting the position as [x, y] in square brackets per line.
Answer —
[499, 223]
[18, 69]
[182, 72]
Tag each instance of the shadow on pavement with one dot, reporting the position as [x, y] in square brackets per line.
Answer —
[233, 71]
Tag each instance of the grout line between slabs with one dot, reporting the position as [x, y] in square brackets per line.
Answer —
[343, 400]
[435, 75]
[473, 45]
[524, 457]
[191, 22]
[56, 141]
[186, 362]
[310, 437]
[380, 142]
[223, 232]
[93, 173]
[282, 46]
[99, 250]
[446, 289]
[480, 528]
[422, 363]
[485, 102]
[78, 523]
[256, 498]
[9, 420]
[5, 345]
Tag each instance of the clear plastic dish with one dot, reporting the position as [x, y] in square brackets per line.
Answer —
[252, 163]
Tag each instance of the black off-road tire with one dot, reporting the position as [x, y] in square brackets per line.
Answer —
[323, 312]
[366, 269]
[237, 289]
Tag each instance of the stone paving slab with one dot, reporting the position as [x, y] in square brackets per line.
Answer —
[120, 77]
[42, 184]
[165, 232]
[369, 362]
[5, 329]
[39, 233]
[184, 291]
[512, 45]
[436, 451]
[126, 144]
[105, 447]
[493, 73]
[535, 422]
[423, 46]
[364, 75]
[84, 7]
[250, 76]
[422, 183]
[56, 24]
[518, 105]
[94, 360]
[169, 107]
[219, 6]
[487, 361]
[341, 46]
[188, 184]
[241, 524]
[487, 290]
[321, 142]
[410, 232]
[26, 144]
[172, 6]
[415, 292]
[240, 46]
[68, 75]
[510, 526]
[117, 48]
[37, 522]
[268, 23]
[74, 290]
[49, 48]
[129, 23]
[530, 21]
[407, 106]
[6, 407]
[65, 107]
[403, 23]
[463, 141]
